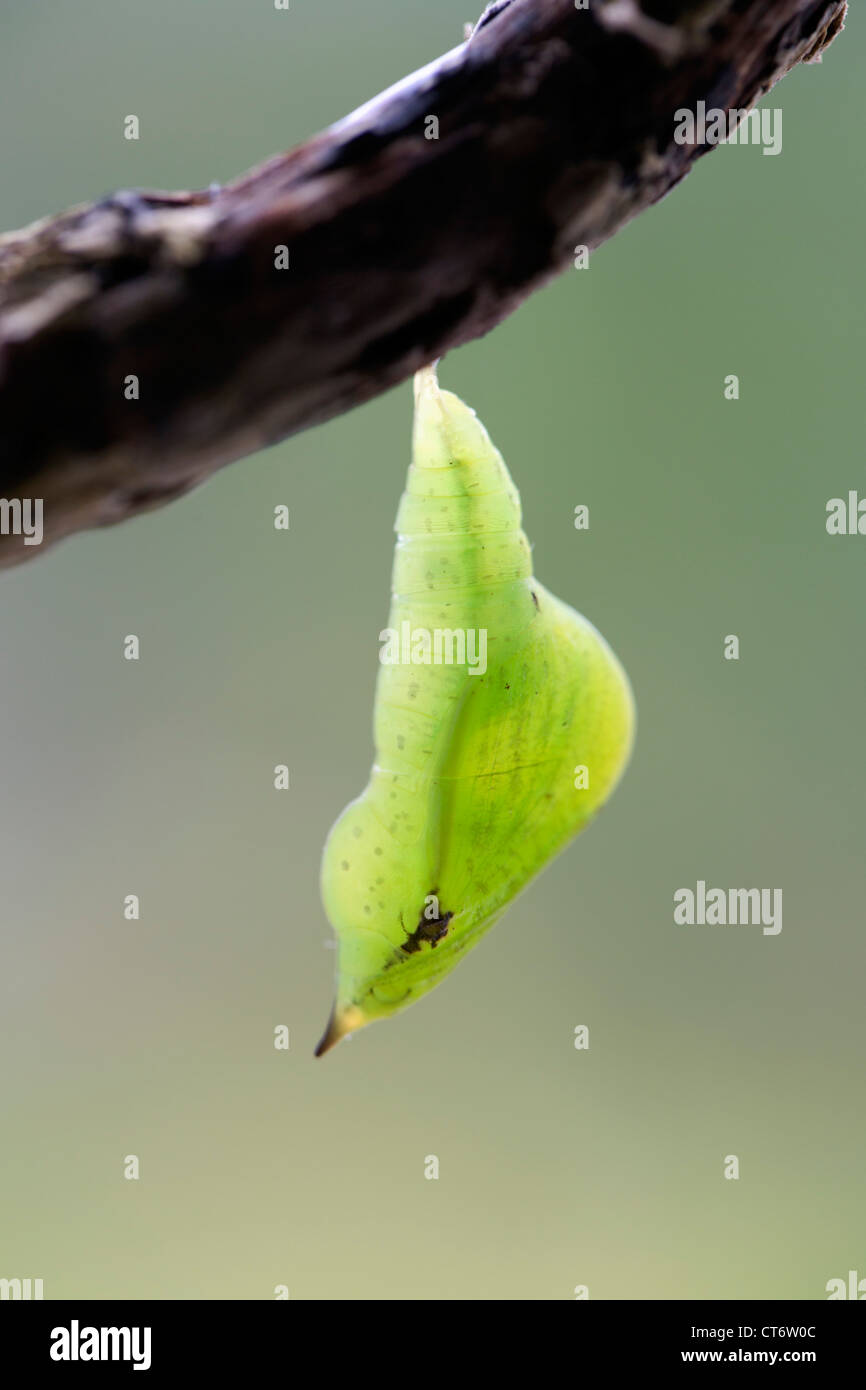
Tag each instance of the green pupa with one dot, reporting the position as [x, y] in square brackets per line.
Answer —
[502, 722]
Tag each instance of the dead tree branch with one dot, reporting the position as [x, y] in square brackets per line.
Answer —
[556, 126]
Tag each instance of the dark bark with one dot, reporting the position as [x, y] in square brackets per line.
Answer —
[555, 128]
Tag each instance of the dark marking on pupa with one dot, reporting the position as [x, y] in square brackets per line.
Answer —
[426, 930]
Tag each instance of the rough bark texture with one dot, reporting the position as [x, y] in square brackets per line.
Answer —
[555, 128]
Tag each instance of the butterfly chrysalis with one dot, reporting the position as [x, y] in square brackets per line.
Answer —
[502, 723]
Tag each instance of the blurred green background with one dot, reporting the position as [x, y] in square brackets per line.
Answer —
[557, 1167]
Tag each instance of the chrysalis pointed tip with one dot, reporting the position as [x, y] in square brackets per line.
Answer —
[344, 1020]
